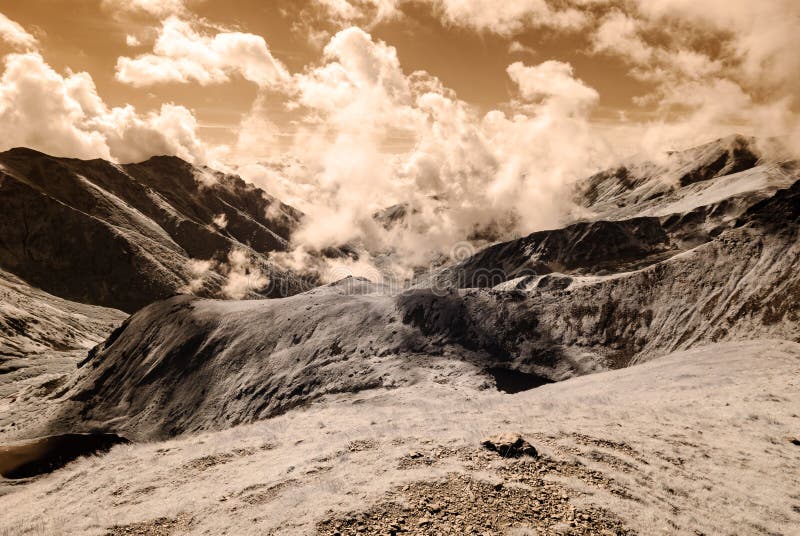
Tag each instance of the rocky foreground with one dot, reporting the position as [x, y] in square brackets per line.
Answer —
[699, 442]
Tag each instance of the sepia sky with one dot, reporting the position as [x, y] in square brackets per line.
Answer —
[90, 35]
[626, 51]
[345, 106]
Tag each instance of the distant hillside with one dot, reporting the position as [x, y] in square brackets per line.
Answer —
[123, 236]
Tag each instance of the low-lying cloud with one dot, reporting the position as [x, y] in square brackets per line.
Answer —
[464, 174]
[240, 276]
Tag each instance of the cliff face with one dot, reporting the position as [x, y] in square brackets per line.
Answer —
[123, 236]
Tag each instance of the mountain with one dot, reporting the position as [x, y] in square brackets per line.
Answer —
[122, 236]
[586, 247]
[698, 441]
[723, 176]
[595, 295]
[648, 350]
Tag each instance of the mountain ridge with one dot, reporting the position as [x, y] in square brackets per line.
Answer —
[642, 349]
[739, 285]
[150, 220]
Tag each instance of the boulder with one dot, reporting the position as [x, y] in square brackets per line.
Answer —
[509, 445]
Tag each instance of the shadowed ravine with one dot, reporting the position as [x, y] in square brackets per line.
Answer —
[46, 454]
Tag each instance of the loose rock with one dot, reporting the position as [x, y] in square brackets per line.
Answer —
[509, 445]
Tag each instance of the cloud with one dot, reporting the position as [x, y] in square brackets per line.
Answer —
[746, 81]
[156, 8]
[365, 134]
[553, 83]
[761, 37]
[619, 33]
[352, 104]
[241, 277]
[220, 220]
[715, 108]
[182, 54]
[461, 175]
[64, 116]
[518, 48]
[134, 137]
[368, 12]
[507, 18]
[15, 35]
[510, 16]
[756, 42]
[199, 270]
[357, 65]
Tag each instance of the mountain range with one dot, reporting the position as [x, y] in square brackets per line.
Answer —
[631, 346]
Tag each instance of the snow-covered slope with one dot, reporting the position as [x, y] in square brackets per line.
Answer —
[729, 173]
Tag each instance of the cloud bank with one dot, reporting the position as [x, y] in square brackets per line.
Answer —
[63, 115]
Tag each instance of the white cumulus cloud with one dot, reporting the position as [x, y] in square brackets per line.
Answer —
[14, 34]
[63, 115]
[182, 54]
[553, 83]
[462, 175]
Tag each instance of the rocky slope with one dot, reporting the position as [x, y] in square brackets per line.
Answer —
[354, 409]
[596, 247]
[42, 336]
[124, 236]
[32, 321]
[634, 216]
[593, 296]
[683, 180]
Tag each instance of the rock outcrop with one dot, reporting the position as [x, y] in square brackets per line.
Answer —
[509, 445]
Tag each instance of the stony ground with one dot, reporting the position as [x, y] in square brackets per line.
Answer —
[521, 497]
[701, 442]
